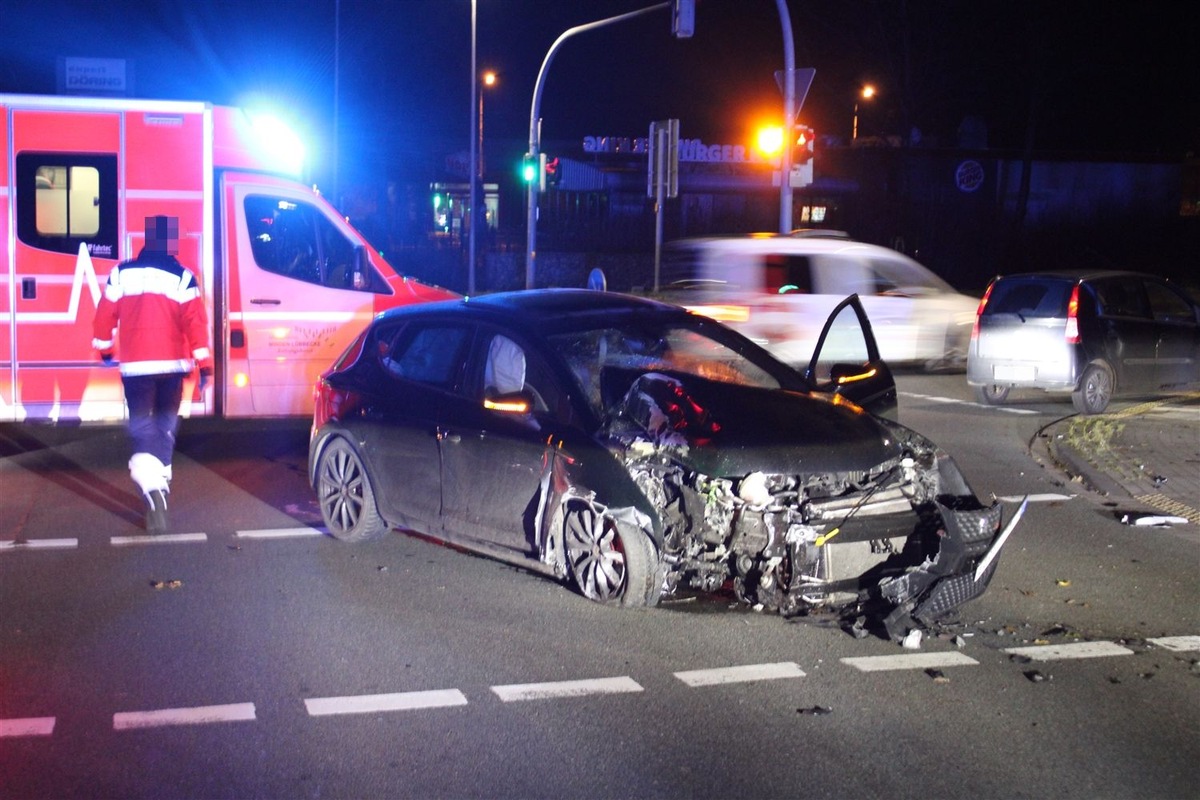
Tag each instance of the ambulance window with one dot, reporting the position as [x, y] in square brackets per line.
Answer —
[296, 240]
[64, 200]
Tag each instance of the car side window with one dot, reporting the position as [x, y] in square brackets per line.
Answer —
[1123, 297]
[786, 274]
[509, 367]
[1167, 305]
[432, 354]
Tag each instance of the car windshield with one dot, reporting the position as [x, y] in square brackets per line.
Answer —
[673, 348]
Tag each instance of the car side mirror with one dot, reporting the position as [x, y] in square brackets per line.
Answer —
[509, 402]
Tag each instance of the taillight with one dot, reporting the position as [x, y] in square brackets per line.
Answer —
[1072, 331]
[979, 311]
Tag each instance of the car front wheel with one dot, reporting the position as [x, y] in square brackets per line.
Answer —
[345, 496]
[609, 564]
[991, 394]
[1095, 390]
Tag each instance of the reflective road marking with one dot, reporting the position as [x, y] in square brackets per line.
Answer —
[1179, 644]
[745, 674]
[201, 715]
[280, 533]
[1036, 498]
[1054, 652]
[371, 703]
[537, 691]
[31, 726]
[158, 538]
[38, 544]
[909, 661]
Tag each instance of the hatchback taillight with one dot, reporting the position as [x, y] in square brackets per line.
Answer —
[979, 311]
[1072, 331]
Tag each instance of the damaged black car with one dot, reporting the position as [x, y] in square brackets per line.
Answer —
[638, 451]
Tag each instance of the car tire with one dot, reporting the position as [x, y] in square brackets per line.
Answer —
[609, 563]
[345, 496]
[991, 394]
[1095, 390]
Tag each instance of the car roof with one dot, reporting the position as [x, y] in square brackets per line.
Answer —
[1075, 275]
[546, 309]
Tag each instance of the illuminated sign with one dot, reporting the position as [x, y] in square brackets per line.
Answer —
[689, 149]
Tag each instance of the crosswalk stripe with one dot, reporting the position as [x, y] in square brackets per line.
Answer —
[952, 401]
[909, 661]
[371, 703]
[38, 544]
[1178, 644]
[538, 691]
[158, 538]
[1056, 652]
[280, 533]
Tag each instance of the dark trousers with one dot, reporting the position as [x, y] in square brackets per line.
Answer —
[153, 402]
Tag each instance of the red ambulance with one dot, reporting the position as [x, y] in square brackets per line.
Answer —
[286, 280]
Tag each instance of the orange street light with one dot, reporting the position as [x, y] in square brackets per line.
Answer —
[770, 140]
[866, 93]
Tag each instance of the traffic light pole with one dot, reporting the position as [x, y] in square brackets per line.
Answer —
[535, 128]
[789, 119]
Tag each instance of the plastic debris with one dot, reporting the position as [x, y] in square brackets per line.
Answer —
[937, 675]
[1141, 520]
[1035, 676]
[814, 711]
[171, 584]
[912, 641]
[1063, 582]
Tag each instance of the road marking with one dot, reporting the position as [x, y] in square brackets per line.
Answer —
[30, 726]
[371, 703]
[158, 538]
[909, 661]
[538, 691]
[1178, 644]
[280, 533]
[38, 544]
[743, 674]
[200, 715]
[951, 401]
[1053, 652]
[1036, 498]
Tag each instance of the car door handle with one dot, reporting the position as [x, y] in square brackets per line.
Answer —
[265, 301]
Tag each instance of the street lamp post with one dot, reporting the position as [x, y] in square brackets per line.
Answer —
[866, 93]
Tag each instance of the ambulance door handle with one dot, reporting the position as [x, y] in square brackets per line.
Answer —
[265, 301]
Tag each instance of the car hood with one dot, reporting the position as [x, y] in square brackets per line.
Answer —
[722, 429]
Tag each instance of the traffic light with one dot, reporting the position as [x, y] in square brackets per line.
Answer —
[553, 170]
[529, 170]
[683, 18]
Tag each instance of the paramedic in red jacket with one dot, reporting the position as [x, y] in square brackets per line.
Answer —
[153, 303]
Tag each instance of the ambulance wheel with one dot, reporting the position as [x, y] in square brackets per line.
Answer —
[345, 495]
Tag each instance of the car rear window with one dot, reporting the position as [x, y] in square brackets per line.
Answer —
[1029, 297]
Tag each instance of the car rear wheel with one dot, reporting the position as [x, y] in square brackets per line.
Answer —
[1095, 390]
[609, 564]
[345, 496]
[991, 394]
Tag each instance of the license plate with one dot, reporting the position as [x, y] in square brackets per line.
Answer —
[1014, 372]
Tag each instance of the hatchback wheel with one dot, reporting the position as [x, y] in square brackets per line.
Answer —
[345, 495]
[1095, 390]
[608, 564]
[991, 394]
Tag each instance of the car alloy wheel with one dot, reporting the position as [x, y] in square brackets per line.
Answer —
[1095, 390]
[608, 564]
[345, 496]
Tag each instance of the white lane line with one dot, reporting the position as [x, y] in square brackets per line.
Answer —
[280, 533]
[30, 726]
[909, 661]
[951, 401]
[371, 703]
[200, 715]
[1036, 498]
[538, 691]
[1055, 652]
[38, 544]
[1178, 644]
[742, 674]
[158, 538]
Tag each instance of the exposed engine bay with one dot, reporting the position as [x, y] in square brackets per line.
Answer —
[902, 540]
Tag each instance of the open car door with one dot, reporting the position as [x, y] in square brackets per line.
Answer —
[846, 362]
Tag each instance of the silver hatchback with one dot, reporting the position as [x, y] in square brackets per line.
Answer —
[1091, 335]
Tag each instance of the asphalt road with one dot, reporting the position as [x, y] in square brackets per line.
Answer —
[250, 656]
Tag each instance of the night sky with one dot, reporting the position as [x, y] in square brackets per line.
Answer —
[1083, 77]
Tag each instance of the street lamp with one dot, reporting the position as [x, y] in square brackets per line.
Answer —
[866, 93]
[476, 205]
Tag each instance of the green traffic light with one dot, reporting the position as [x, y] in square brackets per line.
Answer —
[528, 170]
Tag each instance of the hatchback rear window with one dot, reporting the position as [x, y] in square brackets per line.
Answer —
[1029, 298]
